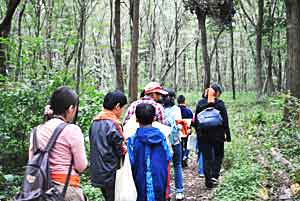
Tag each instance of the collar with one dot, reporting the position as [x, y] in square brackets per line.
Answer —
[107, 115]
[146, 97]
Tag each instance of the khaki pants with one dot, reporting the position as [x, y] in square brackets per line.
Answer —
[72, 194]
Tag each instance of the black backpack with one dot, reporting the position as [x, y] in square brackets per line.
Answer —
[37, 184]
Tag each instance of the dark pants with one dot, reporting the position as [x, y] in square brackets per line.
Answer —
[213, 154]
[185, 151]
[108, 192]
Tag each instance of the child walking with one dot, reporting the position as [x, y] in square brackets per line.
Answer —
[150, 157]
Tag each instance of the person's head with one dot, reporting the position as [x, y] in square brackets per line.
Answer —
[181, 99]
[115, 102]
[145, 113]
[169, 99]
[154, 90]
[217, 88]
[64, 102]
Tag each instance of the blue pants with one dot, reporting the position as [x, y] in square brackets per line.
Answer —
[177, 164]
[200, 163]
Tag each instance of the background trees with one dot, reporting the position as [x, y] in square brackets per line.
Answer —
[125, 44]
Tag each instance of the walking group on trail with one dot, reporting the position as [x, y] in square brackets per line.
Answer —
[126, 164]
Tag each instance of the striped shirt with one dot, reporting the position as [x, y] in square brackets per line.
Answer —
[159, 110]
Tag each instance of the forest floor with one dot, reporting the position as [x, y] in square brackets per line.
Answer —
[194, 187]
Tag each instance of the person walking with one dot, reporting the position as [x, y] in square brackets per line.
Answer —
[69, 147]
[151, 95]
[186, 113]
[150, 157]
[107, 144]
[173, 114]
[211, 137]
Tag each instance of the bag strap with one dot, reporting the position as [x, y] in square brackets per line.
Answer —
[54, 136]
[68, 179]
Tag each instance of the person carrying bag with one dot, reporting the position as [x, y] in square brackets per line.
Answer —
[125, 189]
[56, 153]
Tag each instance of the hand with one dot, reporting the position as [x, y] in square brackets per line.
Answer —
[48, 110]
[228, 138]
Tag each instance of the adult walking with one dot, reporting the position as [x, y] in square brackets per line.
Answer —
[69, 145]
[173, 114]
[151, 95]
[107, 144]
[212, 135]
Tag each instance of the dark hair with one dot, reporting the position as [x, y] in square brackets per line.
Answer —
[217, 88]
[145, 113]
[61, 99]
[142, 94]
[180, 99]
[169, 99]
[111, 99]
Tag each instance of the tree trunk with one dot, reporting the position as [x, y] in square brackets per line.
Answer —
[49, 16]
[19, 58]
[232, 62]
[81, 35]
[293, 40]
[152, 75]
[259, 29]
[184, 73]
[202, 27]
[279, 82]
[118, 43]
[176, 46]
[218, 65]
[196, 65]
[133, 76]
[5, 27]
[270, 84]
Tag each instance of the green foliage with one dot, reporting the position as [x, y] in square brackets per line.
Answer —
[21, 109]
[91, 192]
[259, 128]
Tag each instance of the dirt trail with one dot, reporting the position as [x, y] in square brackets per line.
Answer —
[194, 187]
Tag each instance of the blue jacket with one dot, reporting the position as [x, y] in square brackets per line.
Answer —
[149, 157]
[186, 113]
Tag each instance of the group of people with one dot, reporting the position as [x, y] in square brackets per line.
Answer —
[150, 151]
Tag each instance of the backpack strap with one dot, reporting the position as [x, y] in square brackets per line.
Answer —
[51, 144]
[68, 178]
[54, 136]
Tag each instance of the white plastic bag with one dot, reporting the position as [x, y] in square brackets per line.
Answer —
[192, 143]
[125, 189]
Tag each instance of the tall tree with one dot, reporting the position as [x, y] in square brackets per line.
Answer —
[5, 27]
[269, 48]
[222, 13]
[133, 75]
[259, 34]
[49, 26]
[232, 62]
[293, 40]
[117, 43]
[176, 44]
[201, 16]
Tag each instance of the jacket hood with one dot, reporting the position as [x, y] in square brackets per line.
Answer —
[150, 135]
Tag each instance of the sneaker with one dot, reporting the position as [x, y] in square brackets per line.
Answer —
[201, 175]
[215, 181]
[179, 196]
[209, 185]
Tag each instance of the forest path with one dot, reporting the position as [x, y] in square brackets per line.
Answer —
[194, 186]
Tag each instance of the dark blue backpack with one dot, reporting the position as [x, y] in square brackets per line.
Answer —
[210, 118]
